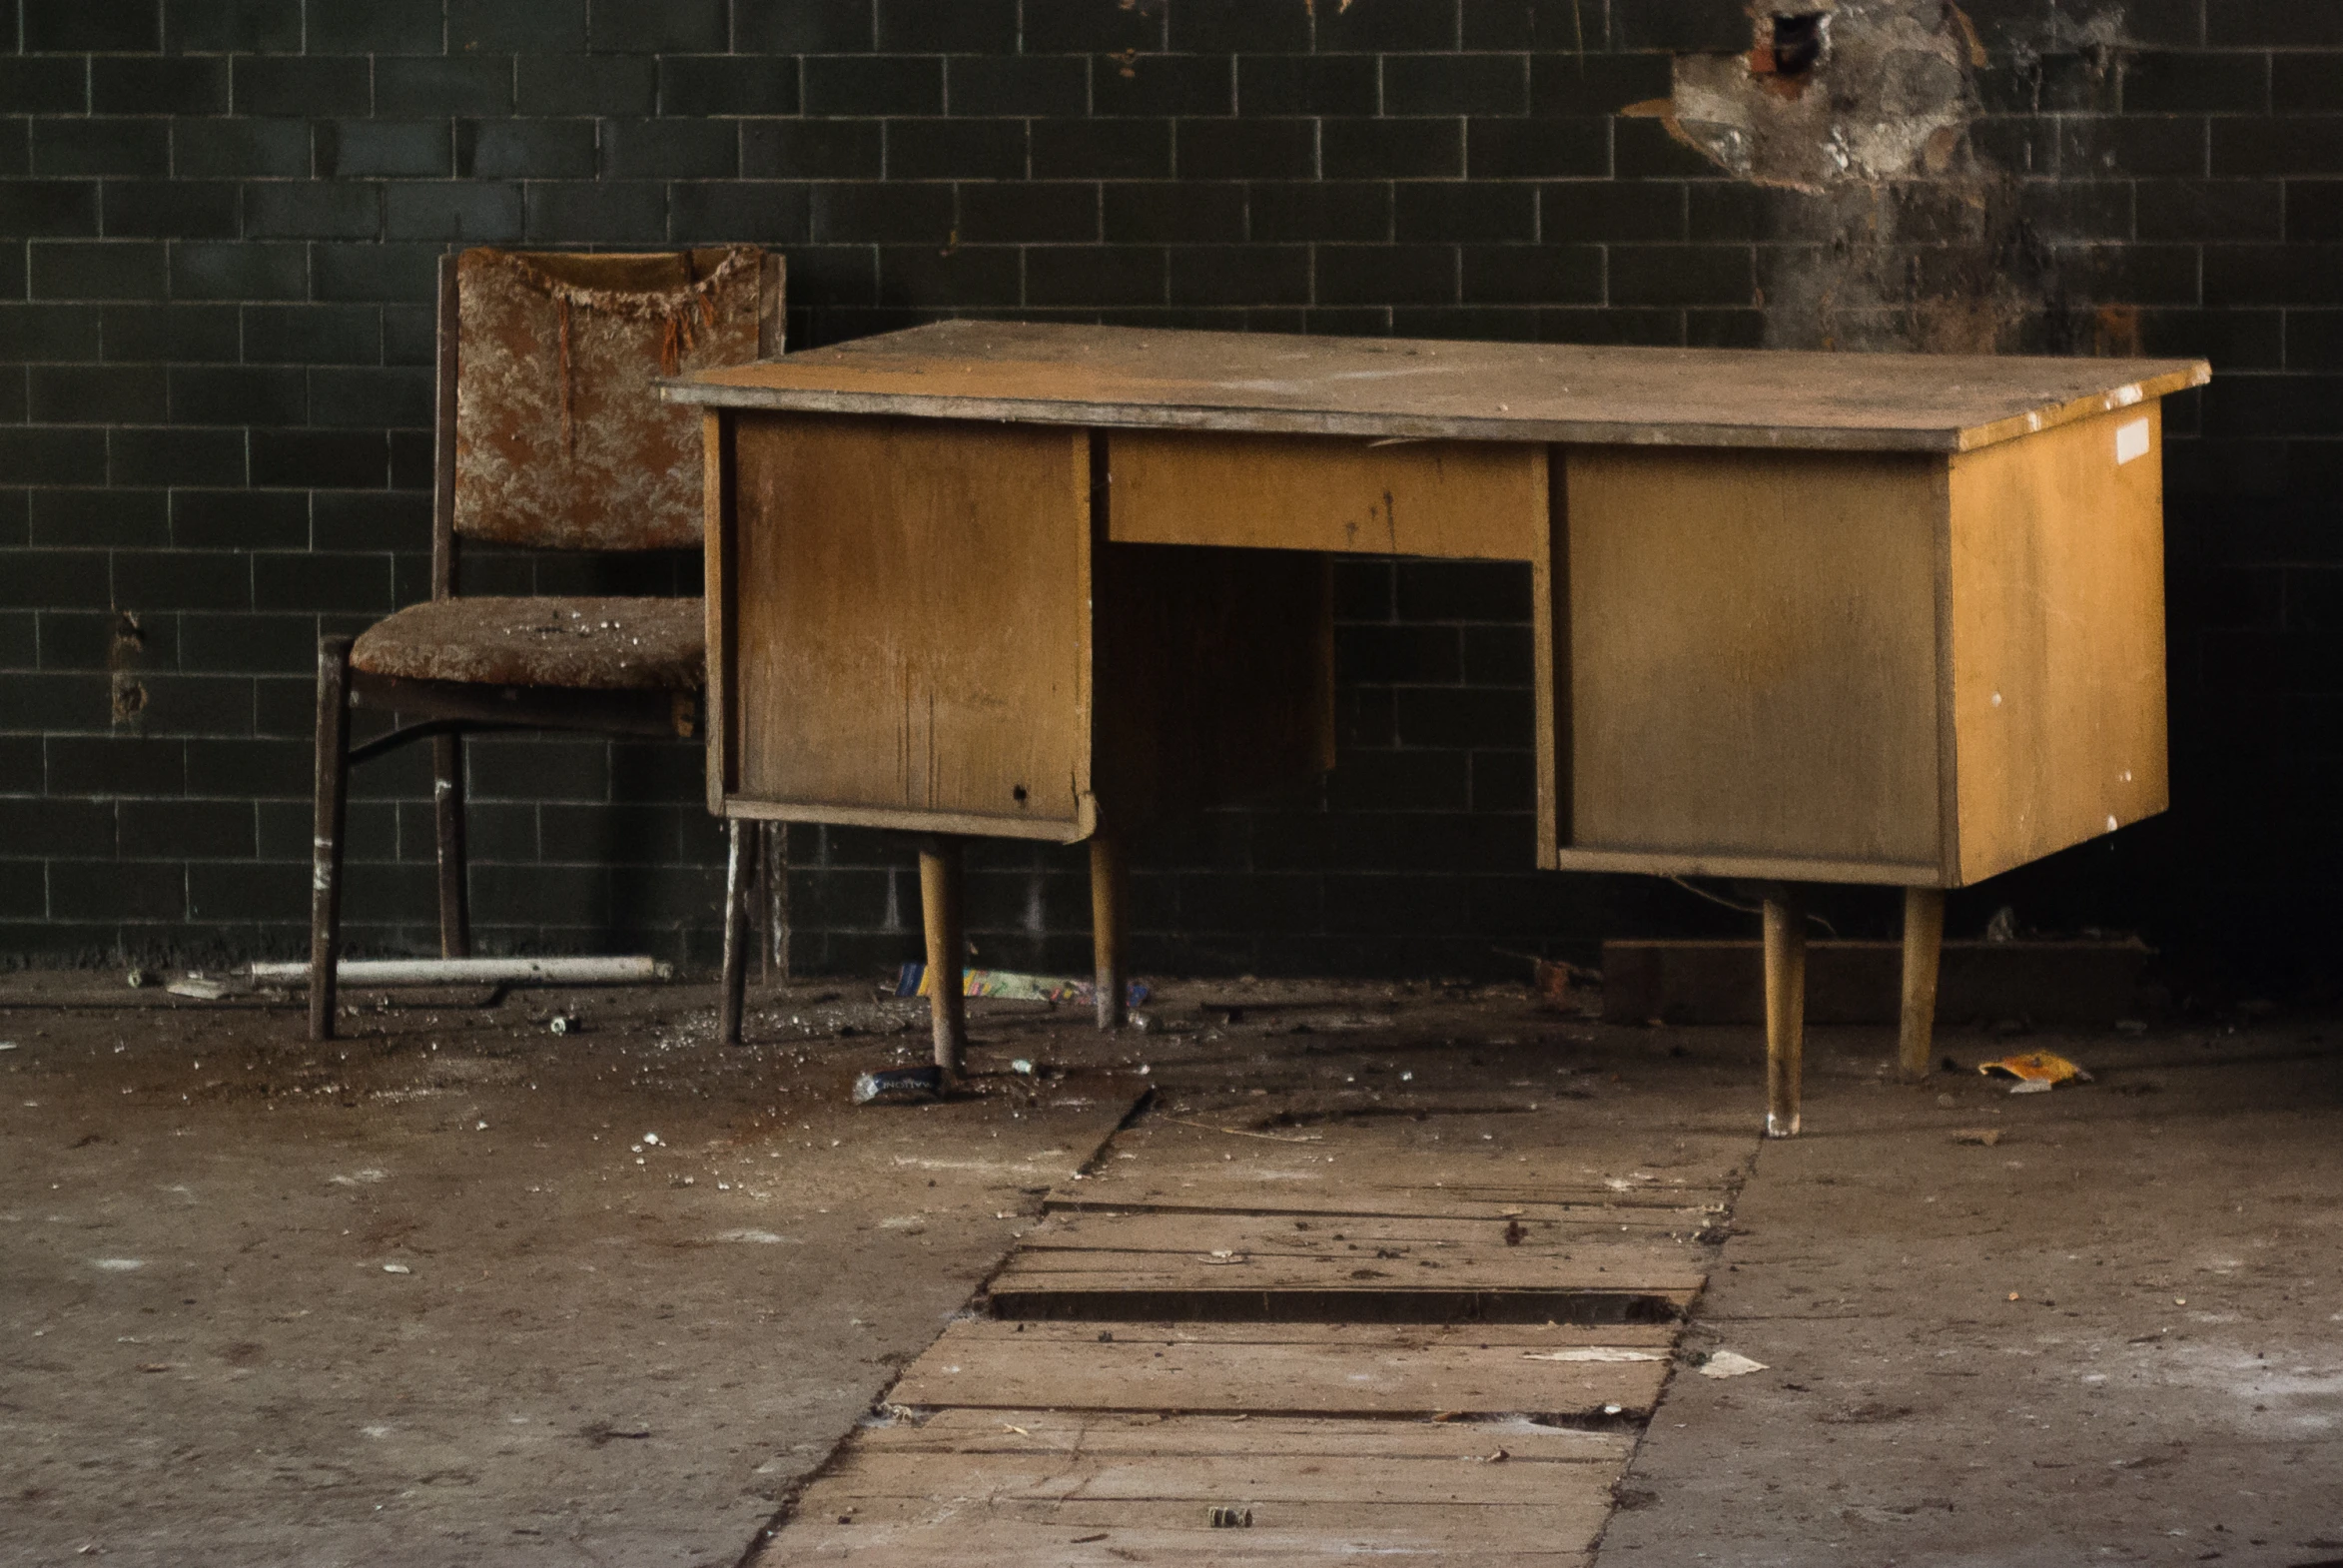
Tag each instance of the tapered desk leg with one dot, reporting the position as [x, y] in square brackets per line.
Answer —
[1785, 1011]
[1924, 947]
[1106, 925]
[743, 849]
[939, 892]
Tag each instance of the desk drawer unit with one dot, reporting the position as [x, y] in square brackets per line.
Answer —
[1911, 669]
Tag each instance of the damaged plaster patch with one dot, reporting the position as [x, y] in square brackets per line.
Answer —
[1885, 228]
[1832, 92]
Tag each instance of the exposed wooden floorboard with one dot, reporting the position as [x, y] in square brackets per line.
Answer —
[997, 1365]
[1045, 1488]
[1340, 1326]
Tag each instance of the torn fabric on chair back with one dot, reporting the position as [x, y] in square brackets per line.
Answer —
[560, 438]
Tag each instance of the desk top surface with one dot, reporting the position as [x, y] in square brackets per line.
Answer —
[1414, 389]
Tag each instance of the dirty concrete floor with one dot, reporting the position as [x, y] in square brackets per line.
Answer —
[2113, 1336]
[605, 1353]
[434, 1294]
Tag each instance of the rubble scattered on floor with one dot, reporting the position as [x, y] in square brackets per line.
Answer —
[899, 1085]
[1729, 1364]
[2035, 1072]
[1987, 1136]
[1009, 985]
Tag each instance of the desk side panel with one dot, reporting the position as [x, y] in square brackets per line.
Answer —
[2057, 680]
[910, 603]
[1480, 500]
[1751, 661]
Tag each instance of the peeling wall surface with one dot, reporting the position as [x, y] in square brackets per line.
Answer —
[220, 225]
[1855, 94]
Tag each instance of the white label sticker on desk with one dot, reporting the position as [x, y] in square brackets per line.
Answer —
[2131, 440]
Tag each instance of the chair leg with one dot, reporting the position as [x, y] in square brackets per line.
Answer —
[325, 845]
[447, 809]
[939, 892]
[743, 849]
[1107, 920]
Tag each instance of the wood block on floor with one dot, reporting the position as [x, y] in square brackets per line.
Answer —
[1205, 1191]
[1287, 1369]
[1038, 1489]
[1407, 1172]
[1343, 1269]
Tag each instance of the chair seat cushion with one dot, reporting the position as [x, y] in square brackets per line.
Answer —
[597, 644]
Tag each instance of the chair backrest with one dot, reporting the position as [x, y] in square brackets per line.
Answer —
[550, 433]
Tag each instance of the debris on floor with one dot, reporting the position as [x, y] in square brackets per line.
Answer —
[1988, 1136]
[2036, 1072]
[1009, 985]
[1729, 1364]
[899, 1085]
[199, 988]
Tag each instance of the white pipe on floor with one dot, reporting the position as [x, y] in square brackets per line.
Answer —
[475, 971]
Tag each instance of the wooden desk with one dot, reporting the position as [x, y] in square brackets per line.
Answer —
[1798, 618]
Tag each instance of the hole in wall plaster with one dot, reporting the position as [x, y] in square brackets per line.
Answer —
[1853, 91]
[1791, 47]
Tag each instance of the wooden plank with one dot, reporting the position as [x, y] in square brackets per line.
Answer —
[992, 1365]
[1463, 499]
[1543, 1238]
[1681, 1216]
[1381, 1170]
[1288, 1291]
[1254, 1473]
[957, 1540]
[1752, 661]
[911, 617]
[1149, 1433]
[2057, 679]
[1263, 381]
[1338, 1336]
[1352, 1268]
